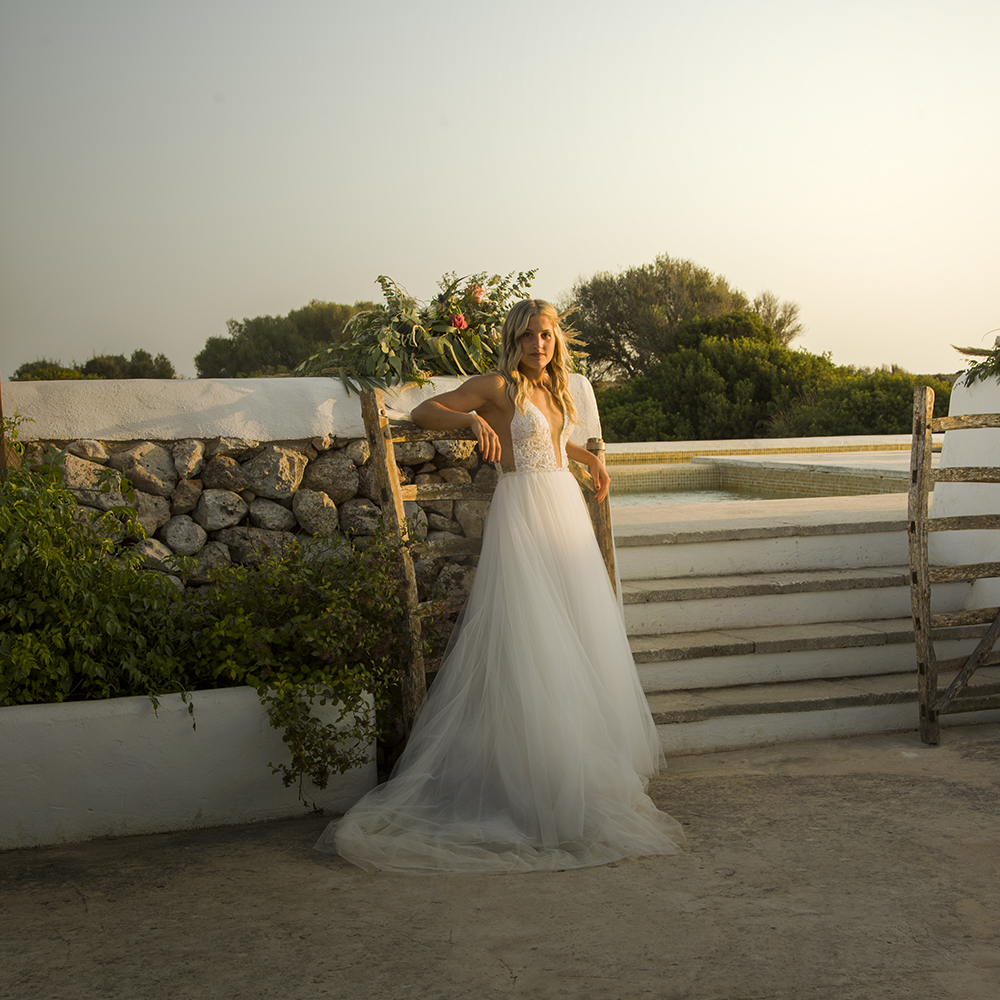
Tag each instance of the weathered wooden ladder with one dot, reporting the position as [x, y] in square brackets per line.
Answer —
[956, 698]
[383, 432]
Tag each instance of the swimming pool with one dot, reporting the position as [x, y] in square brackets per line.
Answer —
[686, 496]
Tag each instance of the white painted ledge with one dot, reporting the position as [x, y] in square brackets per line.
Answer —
[79, 770]
[257, 409]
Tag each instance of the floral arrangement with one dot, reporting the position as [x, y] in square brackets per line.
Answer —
[404, 340]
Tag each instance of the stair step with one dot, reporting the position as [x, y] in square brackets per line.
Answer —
[779, 653]
[803, 696]
[702, 604]
[697, 588]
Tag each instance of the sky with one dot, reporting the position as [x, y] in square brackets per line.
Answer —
[167, 166]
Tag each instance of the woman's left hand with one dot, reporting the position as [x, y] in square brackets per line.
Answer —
[602, 481]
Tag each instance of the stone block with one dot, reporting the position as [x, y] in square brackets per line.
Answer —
[219, 509]
[148, 466]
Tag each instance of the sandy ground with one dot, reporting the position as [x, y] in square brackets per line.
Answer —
[853, 869]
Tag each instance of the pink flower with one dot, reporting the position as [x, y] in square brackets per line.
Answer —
[458, 322]
[477, 293]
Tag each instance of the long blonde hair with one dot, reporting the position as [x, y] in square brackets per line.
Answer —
[520, 315]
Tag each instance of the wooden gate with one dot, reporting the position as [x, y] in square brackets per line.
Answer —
[383, 432]
[958, 697]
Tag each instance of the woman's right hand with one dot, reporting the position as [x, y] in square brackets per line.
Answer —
[489, 442]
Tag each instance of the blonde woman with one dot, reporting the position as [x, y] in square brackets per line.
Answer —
[534, 745]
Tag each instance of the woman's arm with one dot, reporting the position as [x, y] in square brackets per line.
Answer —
[450, 411]
[602, 481]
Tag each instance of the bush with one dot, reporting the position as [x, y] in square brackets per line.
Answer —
[302, 630]
[858, 402]
[79, 616]
[717, 387]
[729, 377]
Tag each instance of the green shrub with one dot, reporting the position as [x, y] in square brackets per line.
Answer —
[81, 619]
[858, 402]
[304, 630]
[79, 616]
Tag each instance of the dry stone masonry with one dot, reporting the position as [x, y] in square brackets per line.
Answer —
[233, 500]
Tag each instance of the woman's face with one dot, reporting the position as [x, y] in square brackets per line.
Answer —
[538, 343]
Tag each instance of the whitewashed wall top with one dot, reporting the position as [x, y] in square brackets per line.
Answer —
[269, 409]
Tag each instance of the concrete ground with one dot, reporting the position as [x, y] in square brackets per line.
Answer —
[865, 868]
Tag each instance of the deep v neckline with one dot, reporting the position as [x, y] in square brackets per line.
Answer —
[556, 443]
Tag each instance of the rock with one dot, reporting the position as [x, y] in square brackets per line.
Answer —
[439, 536]
[455, 580]
[427, 467]
[149, 467]
[248, 495]
[189, 457]
[219, 509]
[276, 472]
[486, 478]
[471, 514]
[455, 475]
[183, 535]
[457, 454]
[238, 448]
[443, 507]
[88, 448]
[358, 450]
[426, 570]
[186, 496]
[423, 478]
[359, 517]
[326, 548]
[99, 527]
[93, 485]
[213, 555]
[416, 519]
[151, 512]
[367, 485]
[439, 523]
[413, 452]
[224, 473]
[334, 474]
[156, 555]
[270, 515]
[316, 512]
[252, 546]
[324, 443]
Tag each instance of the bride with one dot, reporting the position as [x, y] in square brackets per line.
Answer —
[533, 747]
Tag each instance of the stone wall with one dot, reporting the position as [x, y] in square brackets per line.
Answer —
[234, 469]
[231, 499]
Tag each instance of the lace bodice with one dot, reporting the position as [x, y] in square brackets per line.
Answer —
[532, 439]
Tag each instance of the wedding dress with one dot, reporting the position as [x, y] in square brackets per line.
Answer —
[532, 748]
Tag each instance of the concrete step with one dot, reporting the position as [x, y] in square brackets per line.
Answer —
[757, 715]
[706, 552]
[751, 600]
[771, 654]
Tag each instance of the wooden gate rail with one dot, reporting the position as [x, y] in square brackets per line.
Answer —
[383, 432]
[957, 697]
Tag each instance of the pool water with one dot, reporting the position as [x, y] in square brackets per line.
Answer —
[681, 496]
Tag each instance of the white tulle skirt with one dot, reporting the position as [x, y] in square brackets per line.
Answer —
[532, 749]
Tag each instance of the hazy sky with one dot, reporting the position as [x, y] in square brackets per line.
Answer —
[166, 166]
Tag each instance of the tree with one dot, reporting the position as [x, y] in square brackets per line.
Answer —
[142, 364]
[44, 370]
[271, 345]
[782, 317]
[628, 321]
[725, 378]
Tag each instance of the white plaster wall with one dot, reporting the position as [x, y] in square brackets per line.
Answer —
[78, 770]
[964, 448]
[257, 409]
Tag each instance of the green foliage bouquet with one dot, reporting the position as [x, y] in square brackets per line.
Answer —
[404, 340]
